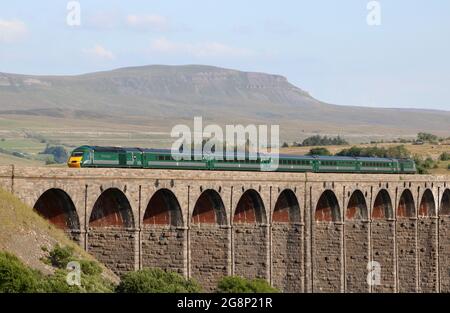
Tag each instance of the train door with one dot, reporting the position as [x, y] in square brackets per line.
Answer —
[122, 158]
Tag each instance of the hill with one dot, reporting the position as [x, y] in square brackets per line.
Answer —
[157, 94]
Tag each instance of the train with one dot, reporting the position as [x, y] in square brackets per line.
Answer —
[118, 157]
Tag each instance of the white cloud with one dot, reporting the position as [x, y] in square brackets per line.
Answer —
[152, 21]
[203, 49]
[12, 30]
[100, 52]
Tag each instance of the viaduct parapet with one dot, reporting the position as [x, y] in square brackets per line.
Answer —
[303, 232]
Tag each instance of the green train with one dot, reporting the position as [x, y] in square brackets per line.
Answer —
[113, 157]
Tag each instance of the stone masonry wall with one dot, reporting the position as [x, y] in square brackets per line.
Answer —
[356, 256]
[406, 254]
[383, 252]
[327, 260]
[163, 247]
[444, 253]
[209, 254]
[250, 251]
[427, 249]
[114, 247]
[287, 257]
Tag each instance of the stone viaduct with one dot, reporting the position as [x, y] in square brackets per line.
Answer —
[303, 232]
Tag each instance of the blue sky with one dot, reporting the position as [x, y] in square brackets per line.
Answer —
[325, 47]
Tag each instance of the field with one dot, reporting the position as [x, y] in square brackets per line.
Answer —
[29, 135]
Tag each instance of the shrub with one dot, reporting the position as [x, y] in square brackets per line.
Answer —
[15, 277]
[58, 152]
[156, 281]
[285, 145]
[60, 256]
[445, 156]
[235, 284]
[319, 151]
[324, 141]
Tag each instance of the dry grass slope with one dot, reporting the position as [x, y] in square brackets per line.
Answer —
[24, 233]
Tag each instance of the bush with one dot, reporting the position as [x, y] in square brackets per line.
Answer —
[60, 256]
[235, 284]
[156, 281]
[448, 167]
[444, 156]
[426, 137]
[397, 152]
[285, 145]
[324, 141]
[319, 151]
[15, 277]
[58, 152]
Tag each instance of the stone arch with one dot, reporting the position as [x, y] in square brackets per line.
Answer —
[427, 204]
[209, 209]
[382, 240]
[163, 209]
[111, 237]
[356, 239]
[445, 203]
[250, 236]
[163, 235]
[327, 235]
[406, 206]
[382, 207]
[356, 207]
[287, 208]
[112, 208]
[56, 206]
[327, 208]
[250, 209]
[208, 240]
[406, 242]
[287, 247]
[444, 241]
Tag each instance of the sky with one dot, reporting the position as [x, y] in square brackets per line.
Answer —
[356, 52]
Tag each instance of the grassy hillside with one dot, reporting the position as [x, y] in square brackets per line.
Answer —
[30, 238]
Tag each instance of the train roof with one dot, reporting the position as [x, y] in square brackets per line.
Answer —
[281, 156]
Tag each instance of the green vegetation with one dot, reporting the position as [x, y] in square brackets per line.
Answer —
[391, 152]
[445, 156]
[156, 281]
[426, 137]
[319, 151]
[424, 165]
[234, 284]
[59, 154]
[323, 141]
[16, 277]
